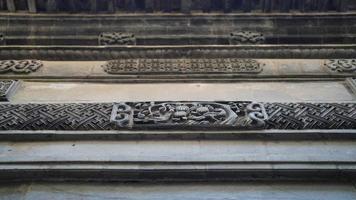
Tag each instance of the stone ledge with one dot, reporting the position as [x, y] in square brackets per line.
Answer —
[176, 172]
[280, 135]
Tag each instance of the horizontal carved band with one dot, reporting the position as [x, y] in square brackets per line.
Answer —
[342, 65]
[127, 66]
[177, 115]
[19, 66]
[6, 87]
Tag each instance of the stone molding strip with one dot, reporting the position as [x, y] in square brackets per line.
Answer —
[83, 53]
[173, 171]
[178, 116]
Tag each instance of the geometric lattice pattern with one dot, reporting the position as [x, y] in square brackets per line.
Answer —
[311, 115]
[55, 116]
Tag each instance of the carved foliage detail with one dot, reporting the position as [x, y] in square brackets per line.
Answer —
[127, 66]
[246, 37]
[342, 65]
[5, 87]
[189, 115]
[19, 66]
[117, 39]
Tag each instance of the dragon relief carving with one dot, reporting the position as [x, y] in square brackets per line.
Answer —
[246, 37]
[117, 38]
[223, 65]
[19, 66]
[341, 65]
[189, 114]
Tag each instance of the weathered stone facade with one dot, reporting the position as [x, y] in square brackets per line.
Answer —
[178, 99]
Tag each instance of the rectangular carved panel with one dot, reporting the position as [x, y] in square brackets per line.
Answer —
[224, 65]
[178, 116]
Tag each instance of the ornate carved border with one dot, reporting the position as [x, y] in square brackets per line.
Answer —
[228, 65]
[178, 115]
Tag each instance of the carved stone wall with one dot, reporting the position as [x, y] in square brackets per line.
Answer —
[230, 65]
[178, 115]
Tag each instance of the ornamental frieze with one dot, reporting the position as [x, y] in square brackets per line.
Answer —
[246, 37]
[223, 65]
[341, 65]
[6, 86]
[189, 115]
[116, 38]
[178, 115]
[19, 66]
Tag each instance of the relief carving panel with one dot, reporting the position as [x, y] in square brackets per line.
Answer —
[189, 115]
[224, 65]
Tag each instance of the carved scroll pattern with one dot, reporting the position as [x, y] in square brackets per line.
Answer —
[117, 39]
[246, 37]
[228, 65]
[342, 65]
[19, 66]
